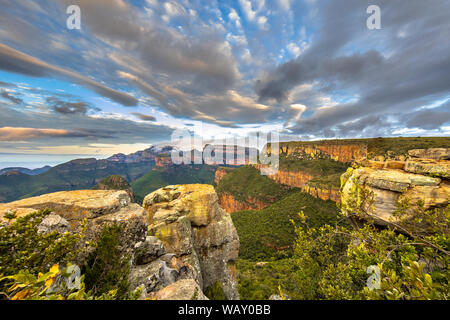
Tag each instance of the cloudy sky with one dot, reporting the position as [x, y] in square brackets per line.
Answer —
[137, 70]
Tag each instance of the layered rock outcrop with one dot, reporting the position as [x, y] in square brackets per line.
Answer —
[331, 149]
[220, 173]
[181, 243]
[192, 225]
[293, 179]
[376, 191]
[230, 204]
[323, 193]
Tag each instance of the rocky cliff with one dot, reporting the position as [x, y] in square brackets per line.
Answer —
[180, 244]
[115, 182]
[293, 179]
[335, 150]
[163, 161]
[376, 188]
[323, 193]
[192, 225]
[230, 204]
[220, 173]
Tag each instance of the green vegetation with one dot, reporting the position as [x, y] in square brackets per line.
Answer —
[382, 146]
[114, 182]
[332, 260]
[267, 240]
[23, 247]
[161, 177]
[36, 266]
[313, 167]
[247, 182]
[215, 292]
[326, 181]
[73, 175]
[263, 233]
[106, 269]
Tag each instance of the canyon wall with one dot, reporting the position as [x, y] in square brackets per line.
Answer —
[220, 173]
[230, 205]
[293, 179]
[332, 149]
[323, 193]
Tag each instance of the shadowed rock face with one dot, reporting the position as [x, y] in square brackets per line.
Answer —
[425, 180]
[192, 225]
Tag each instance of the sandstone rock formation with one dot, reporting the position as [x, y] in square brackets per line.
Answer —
[231, 205]
[183, 241]
[334, 150]
[322, 193]
[192, 225]
[220, 173]
[186, 289]
[376, 191]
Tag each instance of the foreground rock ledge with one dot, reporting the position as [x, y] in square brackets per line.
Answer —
[418, 179]
[192, 225]
[182, 243]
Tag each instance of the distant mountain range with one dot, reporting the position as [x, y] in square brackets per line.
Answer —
[77, 174]
[81, 174]
[30, 172]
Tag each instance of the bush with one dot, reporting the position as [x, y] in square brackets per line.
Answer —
[22, 247]
[106, 269]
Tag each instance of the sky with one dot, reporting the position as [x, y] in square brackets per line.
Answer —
[138, 70]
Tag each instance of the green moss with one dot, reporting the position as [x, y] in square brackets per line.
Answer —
[215, 292]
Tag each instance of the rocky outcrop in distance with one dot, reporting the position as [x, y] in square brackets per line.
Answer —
[376, 188]
[230, 204]
[323, 193]
[115, 182]
[181, 243]
[334, 150]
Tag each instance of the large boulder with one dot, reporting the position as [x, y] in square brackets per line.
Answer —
[97, 207]
[186, 289]
[376, 192]
[181, 243]
[192, 225]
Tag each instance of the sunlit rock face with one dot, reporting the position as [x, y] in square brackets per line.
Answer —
[192, 225]
[376, 191]
[180, 244]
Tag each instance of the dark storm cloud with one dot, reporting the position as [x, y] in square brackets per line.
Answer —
[6, 95]
[68, 108]
[409, 68]
[81, 128]
[144, 117]
[15, 61]
[429, 119]
[6, 84]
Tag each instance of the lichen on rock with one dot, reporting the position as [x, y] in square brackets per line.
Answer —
[192, 225]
